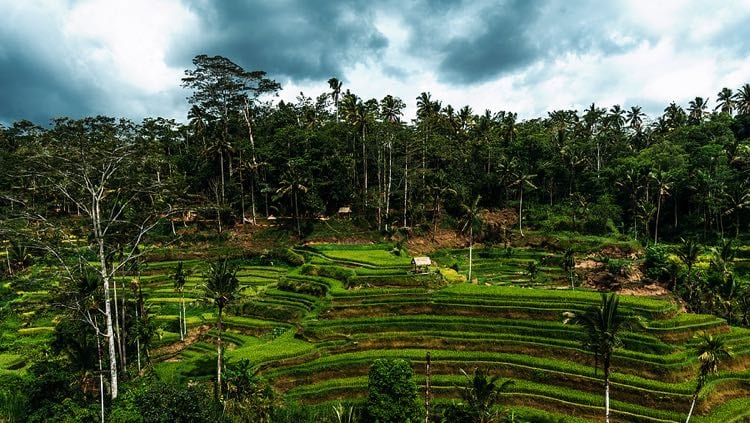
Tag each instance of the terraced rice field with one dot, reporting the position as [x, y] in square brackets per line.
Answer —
[316, 349]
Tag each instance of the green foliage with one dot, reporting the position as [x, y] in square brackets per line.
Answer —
[302, 287]
[656, 262]
[392, 392]
[148, 400]
[248, 397]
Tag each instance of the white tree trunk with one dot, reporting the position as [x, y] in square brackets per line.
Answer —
[692, 406]
[471, 245]
[606, 400]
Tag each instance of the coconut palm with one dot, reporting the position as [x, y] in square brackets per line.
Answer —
[603, 325]
[335, 85]
[635, 118]
[522, 180]
[688, 252]
[742, 100]
[663, 185]
[674, 116]
[180, 277]
[481, 393]
[471, 217]
[569, 264]
[616, 117]
[221, 287]
[725, 101]
[697, 109]
[292, 183]
[711, 351]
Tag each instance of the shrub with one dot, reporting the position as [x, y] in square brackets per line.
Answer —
[392, 392]
[155, 401]
[656, 262]
[302, 287]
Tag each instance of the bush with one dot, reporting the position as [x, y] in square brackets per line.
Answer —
[656, 262]
[392, 392]
[302, 287]
[155, 401]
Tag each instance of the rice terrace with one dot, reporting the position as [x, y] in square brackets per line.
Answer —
[369, 212]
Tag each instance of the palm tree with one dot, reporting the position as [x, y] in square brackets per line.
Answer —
[471, 216]
[180, 277]
[292, 183]
[616, 117]
[221, 147]
[635, 118]
[697, 109]
[711, 351]
[438, 192]
[335, 85]
[221, 287]
[360, 116]
[391, 110]
[725, 101]
[688, 253]
[569, 264]
[603, 324]
[674, 116]
[663, 185]
[742, 100]
[481, 393]
[522, 180]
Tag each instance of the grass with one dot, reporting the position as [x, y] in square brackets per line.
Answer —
[320, 347]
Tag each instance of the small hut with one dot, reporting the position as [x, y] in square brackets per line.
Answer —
[421, 264]
[345, 212]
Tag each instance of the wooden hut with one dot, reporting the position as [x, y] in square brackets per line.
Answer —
[345, 211]
[421, 264]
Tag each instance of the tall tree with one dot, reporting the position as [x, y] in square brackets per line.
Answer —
[221, 89]
[725, 101]
[180, 277]
[221, 287]
[697, 110]
[603, 325]
[522, 180]
[391, 110]
[471, 217]
[711, 352]
[482, 393]
[90, 163]
[742, 100]
[335, 86]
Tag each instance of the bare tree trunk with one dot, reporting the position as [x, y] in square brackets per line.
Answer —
[138, 342]
[221, 163]
[427, 391]
[364, 166]
[96, 220]
[520, 214]
[180, 320]
[471, 245]
[406, 179]
[218, 357]
[692, 406]
[390, 179]
[656, 223]
[101, 370]
[606, 399]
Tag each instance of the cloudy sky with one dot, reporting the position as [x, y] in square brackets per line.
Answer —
[125, 58]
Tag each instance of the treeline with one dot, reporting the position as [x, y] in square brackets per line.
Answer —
[600, 170]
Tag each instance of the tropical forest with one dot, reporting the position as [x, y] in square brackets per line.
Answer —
[330, 259]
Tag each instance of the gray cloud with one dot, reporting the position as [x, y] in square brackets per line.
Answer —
[306, 40]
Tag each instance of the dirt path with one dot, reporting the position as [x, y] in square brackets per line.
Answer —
[171, 350]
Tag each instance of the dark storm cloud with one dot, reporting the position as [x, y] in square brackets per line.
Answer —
[304, 40]
[34, 85]
[503, 37]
